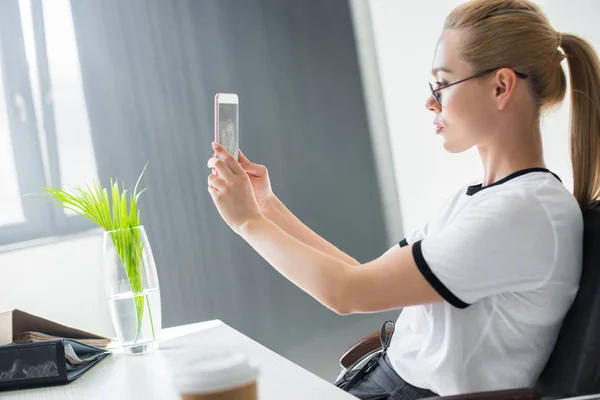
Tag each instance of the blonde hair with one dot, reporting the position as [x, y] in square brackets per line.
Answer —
[517, 34]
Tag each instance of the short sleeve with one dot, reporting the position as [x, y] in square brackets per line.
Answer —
[415, 236]
[501, 244]
[421, 233]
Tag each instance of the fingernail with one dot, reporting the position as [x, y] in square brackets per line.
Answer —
[215, 145]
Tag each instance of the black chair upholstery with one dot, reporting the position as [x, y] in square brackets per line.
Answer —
[574, 366]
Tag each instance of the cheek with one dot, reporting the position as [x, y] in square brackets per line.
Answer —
[466, 117]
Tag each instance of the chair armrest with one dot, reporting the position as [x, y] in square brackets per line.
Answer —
[511, 394]
[367, 345]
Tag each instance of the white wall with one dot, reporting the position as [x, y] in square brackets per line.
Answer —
[405, 35]
[61, 281]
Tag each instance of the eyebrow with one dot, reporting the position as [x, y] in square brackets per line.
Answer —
[433, 71]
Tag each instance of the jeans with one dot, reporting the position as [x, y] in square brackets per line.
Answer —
[383, 383]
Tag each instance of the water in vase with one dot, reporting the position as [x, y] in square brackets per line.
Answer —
[125, 318]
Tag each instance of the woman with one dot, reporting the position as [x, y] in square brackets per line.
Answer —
[487, 282]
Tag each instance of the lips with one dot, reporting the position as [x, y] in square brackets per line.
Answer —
[438, 127]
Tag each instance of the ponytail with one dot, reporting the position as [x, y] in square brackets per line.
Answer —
[584, 68]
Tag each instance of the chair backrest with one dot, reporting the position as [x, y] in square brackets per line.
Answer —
[574, 366]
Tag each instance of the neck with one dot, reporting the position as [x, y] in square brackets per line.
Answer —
[514, 150]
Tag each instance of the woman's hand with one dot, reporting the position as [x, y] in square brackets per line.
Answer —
[232, 191]
[259, 177]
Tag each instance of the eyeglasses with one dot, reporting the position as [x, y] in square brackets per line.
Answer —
[437, 95]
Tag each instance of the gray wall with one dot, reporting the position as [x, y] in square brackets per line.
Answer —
[150, 70]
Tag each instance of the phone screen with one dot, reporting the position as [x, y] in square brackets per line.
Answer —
[228, 127]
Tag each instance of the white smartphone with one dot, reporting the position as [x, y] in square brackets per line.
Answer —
[227, 126]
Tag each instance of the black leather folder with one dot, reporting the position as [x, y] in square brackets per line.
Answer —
[45, 363]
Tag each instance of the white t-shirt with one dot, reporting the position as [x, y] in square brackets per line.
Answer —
[507, 260]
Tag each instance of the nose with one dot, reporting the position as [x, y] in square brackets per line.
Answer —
[432, 105]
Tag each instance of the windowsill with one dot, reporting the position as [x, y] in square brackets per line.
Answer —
[95, 231]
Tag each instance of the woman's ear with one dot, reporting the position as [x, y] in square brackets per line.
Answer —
[505, 82]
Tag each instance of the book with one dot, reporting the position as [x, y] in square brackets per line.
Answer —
[29, 337]
[16, 323]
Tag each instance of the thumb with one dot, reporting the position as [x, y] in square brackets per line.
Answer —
[241, 157]
[251, 168]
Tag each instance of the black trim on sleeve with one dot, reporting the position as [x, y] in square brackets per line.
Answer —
[433, 280]
[403, 243]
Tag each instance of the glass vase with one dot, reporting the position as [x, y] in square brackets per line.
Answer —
[132, 289]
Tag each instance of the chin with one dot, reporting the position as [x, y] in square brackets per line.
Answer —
[454, 147]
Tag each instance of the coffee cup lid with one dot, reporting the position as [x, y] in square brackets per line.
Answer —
[214, 371]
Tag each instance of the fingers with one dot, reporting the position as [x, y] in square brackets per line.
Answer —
[216, 183]
[232, 163]
[221, 167]
[214, 193]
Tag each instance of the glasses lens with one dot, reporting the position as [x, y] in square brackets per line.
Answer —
[437, 96]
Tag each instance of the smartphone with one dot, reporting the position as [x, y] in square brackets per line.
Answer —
[227, 132]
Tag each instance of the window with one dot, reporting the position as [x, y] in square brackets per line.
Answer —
[11, 209]
[45, 137]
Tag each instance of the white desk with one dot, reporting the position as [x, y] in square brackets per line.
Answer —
[150, 376]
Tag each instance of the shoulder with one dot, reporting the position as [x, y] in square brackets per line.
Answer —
[543, 200]
[535, 218]
[538, 219]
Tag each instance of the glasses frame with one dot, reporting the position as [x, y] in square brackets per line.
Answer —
[434, 92]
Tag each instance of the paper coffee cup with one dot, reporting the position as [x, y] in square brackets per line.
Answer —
[217, 375]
